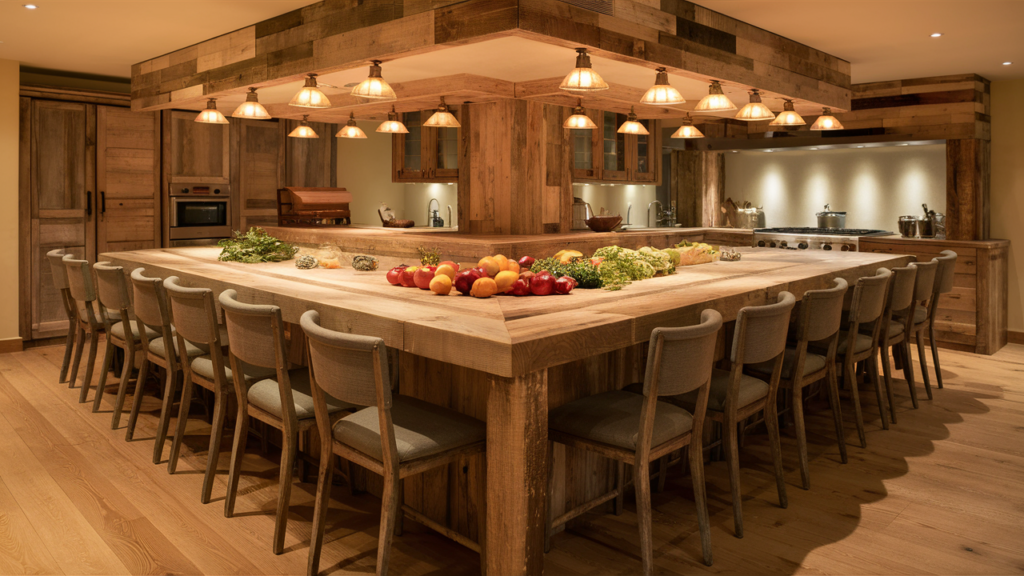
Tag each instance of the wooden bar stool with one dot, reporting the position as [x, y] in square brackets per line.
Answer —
[760, 336]
[820, 318]
[943, 285]
[394, 436]
[60, 282]
[638, 429]
[899, 309]
[124, 333]
[91, 318]
[925, 297]
[283, 400]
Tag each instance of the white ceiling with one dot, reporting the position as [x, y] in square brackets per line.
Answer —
[890, 39]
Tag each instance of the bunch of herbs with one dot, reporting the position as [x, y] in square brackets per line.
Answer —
[255, 246]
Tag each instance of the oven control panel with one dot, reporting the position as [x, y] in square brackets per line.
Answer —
[199, 189]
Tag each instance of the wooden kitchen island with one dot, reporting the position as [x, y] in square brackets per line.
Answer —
[507, 360]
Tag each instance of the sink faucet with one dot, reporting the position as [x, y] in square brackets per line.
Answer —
[657, 215]
[449, 215]
[629, 208]
[430, 214]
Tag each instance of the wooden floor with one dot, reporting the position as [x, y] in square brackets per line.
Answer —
[940, 493]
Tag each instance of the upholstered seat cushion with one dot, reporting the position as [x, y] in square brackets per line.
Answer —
[751, 390]
[266, 395]
[613, 418]
[812, 363]
[421, 429]
[117, 329]
[158, 347]
[862, 343]
[203, 366]
[920, 315]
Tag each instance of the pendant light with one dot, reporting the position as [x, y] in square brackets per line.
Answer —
[303, 130]
[826, 121]
[755, 110]
[788, 116]
[715, 101]
[631, 126]
[310, 96]
[687, 130]
[662, 93]
[251, 108]
[583, 79]
[350, 129]
[442, 118]
[211, 115]
[392, 125]
[374, 87]
[579, 119]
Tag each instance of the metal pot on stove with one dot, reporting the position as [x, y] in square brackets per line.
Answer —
[829, 218]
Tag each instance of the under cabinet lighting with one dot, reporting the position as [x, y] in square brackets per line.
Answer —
[936, 34]
[442, 118]
[715, 101]
[632, 126]
[374, 87]
[350, 129]
[826, 121]
[310, 96]
[392, 125]
[211, 115]
[859, 146]
[30, 6]
[662, 93]
[579, 119]
[904, 144]
[687, 130]
[251, 108]
[583, 78]
[814, 148]
[788, 116]
[1007, 63]
[755, 110]
[303, 130]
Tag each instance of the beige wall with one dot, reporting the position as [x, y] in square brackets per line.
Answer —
[1007, 192]
[9, 199]
[616, 198]
[874, 186]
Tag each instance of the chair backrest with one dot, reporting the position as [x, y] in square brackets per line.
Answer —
[150, 301]
[111, 286]
[924, 285]
[195, 316]
[821, 312]
[256, 332]
[80, 281]
[680, 359]
[349, 367]
[947, 269]
[57, 268]
[901, 290]
[761, 331]
[869, 297]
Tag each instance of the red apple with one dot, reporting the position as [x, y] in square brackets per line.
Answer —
[454, 265]
[464, 280]
[564, 285]
[526, 262]
[542, 284]
[395, 274]
[423, 276]
[521, 287]
[407, 278]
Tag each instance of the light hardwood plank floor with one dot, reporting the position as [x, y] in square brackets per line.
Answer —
[942, 492]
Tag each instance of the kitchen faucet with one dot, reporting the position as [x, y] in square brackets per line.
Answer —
[629, 208]
[430, 214]
[657, 215]
[449, 215]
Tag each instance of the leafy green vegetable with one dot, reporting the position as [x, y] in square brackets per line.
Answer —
[255, 246]
[429, 256]
[585, 273]
[622, 265]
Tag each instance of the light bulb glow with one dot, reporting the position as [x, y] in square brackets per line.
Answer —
[826, 121]
[211, 115]
[374, 87]
[251, 108]
[583, 78]
[310, 96]
[715, 101]
[662, 93]
[788, 116]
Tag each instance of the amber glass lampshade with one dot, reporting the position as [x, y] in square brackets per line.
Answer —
[583, 78]
[826, 121]
[374, 87]
[755, 110]
[350, 129]
[442, 118]
[715, 101]
[631, 126]
[310, 96]
[392, 125]
[662, 93]
[687, 130]
[788, 116]
[303, 130]
[251, 108]
[211, 115]
[579, 119]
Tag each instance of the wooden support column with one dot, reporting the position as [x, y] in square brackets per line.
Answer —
[517, 440]
[698, 187]
[968, 171]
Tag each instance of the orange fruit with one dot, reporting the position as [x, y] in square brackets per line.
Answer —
[483, 288]
[502, 262]
[490, 265]
[441, 284]
[505, 279]
[513, 266]
[445, 270]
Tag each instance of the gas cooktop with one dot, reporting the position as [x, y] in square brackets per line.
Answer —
[841, 239]
[824, 231]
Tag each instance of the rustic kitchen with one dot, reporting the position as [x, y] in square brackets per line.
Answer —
[511, 287]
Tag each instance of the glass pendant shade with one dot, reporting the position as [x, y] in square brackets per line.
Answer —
[583, 78]
[788, 116]
[211, 115]
[392, 125]
[303, 130]
[631, 126]
[755, 110]
[251, 108]
[350, 129]
[442, 118]
[579, 119]
[687, 130]
[716, 100]
[310, 96]
[374, 87]
[662, 92]
[826, 121]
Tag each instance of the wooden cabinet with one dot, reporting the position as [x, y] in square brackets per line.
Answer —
[128, 179]
[257, 171]
[425, 154]
[605, 155]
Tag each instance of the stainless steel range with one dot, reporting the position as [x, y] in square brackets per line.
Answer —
[842, 239]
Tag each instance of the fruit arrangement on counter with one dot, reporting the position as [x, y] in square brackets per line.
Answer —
[492, 275]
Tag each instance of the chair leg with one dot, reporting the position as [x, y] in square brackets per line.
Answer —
[400, 520]
[796, 395]
[887, 373]
[108, 357]
[179, 428]
[122, 389]
[923, 358]
[165, 415]
[79, 347]
[662, 473]
[908, 369]
[935, 355]
[643, 513]
[69, 347]
[323, 498]
[284, 490]
[94, 341]
[732, 451]
[140, 383]
[237, 452]
[220, 410]
[771, 419]
[388, 517]
[700, 500]
[837, 410]
[620, 476]
[883, 408]
[851, 381]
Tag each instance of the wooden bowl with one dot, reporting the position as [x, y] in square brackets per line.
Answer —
[603, 223]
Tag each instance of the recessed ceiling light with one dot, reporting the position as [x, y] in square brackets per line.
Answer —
[936, 34]
[859, 146]
[30, 6]
[1007, 63]
[904, 144]
[814, 148]
[735, 151]
[769, 150]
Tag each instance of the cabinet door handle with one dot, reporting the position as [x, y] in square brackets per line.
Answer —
[103, 202]
[88, 202]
